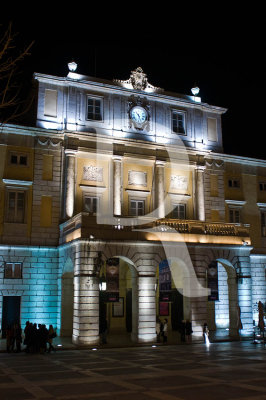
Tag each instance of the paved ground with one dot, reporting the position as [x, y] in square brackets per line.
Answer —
[222, 371]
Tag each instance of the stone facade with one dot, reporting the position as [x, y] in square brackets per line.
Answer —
[90, 183]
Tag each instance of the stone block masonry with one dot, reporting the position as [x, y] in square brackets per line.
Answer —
[38, 287]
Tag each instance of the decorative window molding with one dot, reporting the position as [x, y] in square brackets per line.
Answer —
[92, 173]
[179, 198]
[137, 178]
[138, 193]
[179, 182]
[235, 203]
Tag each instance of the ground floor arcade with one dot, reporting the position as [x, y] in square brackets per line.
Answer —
[60, 286]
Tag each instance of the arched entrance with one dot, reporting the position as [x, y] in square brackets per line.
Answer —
[222, 314]
[121, 315]
[67, 296]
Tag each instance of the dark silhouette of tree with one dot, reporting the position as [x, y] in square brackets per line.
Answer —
[12, 102]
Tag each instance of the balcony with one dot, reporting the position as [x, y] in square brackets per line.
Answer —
[86, 226]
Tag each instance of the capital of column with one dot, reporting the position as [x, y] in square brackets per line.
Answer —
[159, 163]
[200, 168]
[117, 158]
[70, 152]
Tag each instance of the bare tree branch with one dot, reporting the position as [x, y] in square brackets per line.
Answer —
[11, 58]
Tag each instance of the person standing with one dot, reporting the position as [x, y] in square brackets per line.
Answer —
[165, 330]
[188, 329]
[18, 337]
[51, 336]
[158, 329]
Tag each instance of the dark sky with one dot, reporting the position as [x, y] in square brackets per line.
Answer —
[225, 57]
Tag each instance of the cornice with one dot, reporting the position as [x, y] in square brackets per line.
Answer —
[107, 86]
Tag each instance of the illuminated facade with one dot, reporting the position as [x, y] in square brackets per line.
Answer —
[123, 169]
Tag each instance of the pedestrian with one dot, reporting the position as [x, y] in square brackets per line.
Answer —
[51, 336]
[206, 334]
[183, 331]
[188, 331]
[43, 338]
[165, 330]
[9, 338]
[158, 329]
[18, 337]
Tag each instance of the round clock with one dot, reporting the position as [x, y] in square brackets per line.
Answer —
[138, 115]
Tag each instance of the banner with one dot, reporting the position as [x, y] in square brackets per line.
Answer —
[112, 280]
[212, 277]
[164, 281]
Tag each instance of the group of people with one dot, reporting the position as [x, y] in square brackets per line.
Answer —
[161, 330]
[36, 338]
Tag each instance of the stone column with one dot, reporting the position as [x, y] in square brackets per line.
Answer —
[245, 297]
[86, 297]
[117, 168]
[147, 309]
[70, 183]
[159, 189]
[200, 201]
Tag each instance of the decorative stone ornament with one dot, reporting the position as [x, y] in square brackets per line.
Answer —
[138, 80]
[139, 113]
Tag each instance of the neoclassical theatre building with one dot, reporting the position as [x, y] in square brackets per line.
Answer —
[119, 204]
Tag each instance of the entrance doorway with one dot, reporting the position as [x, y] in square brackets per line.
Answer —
[11, 312]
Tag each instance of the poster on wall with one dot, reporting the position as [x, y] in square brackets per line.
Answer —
[112, 280]
[212, 278]
[164, 281]
[163, 309]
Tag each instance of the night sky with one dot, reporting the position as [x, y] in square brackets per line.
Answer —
[225, 58]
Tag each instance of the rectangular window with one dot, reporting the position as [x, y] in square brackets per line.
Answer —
[137, 207]
[16, 206]
[13, 271]
[234, 183]
[50, 103]
[262, 186]
[214, 185]
[263, 223]
[179, 211]
[94, 111]
[234, 216]
[212, 129]
[178, 122]
[91, 204]
[18, 159]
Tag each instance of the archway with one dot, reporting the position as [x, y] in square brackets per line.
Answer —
[67, 296]
[222, 314]
[177, 308]
[122, 315]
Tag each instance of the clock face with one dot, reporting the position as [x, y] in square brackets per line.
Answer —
[138, 115]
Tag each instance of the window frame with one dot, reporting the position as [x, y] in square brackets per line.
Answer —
[91, 197]
[13, 270]
[137, 201]
[7, 207]
[94, 98]
[262, 186]
[19, 155]
[233, 186]
[233, 211]
[174, 207]
[179, 112]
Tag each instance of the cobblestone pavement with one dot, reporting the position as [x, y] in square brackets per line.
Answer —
[222, 371]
